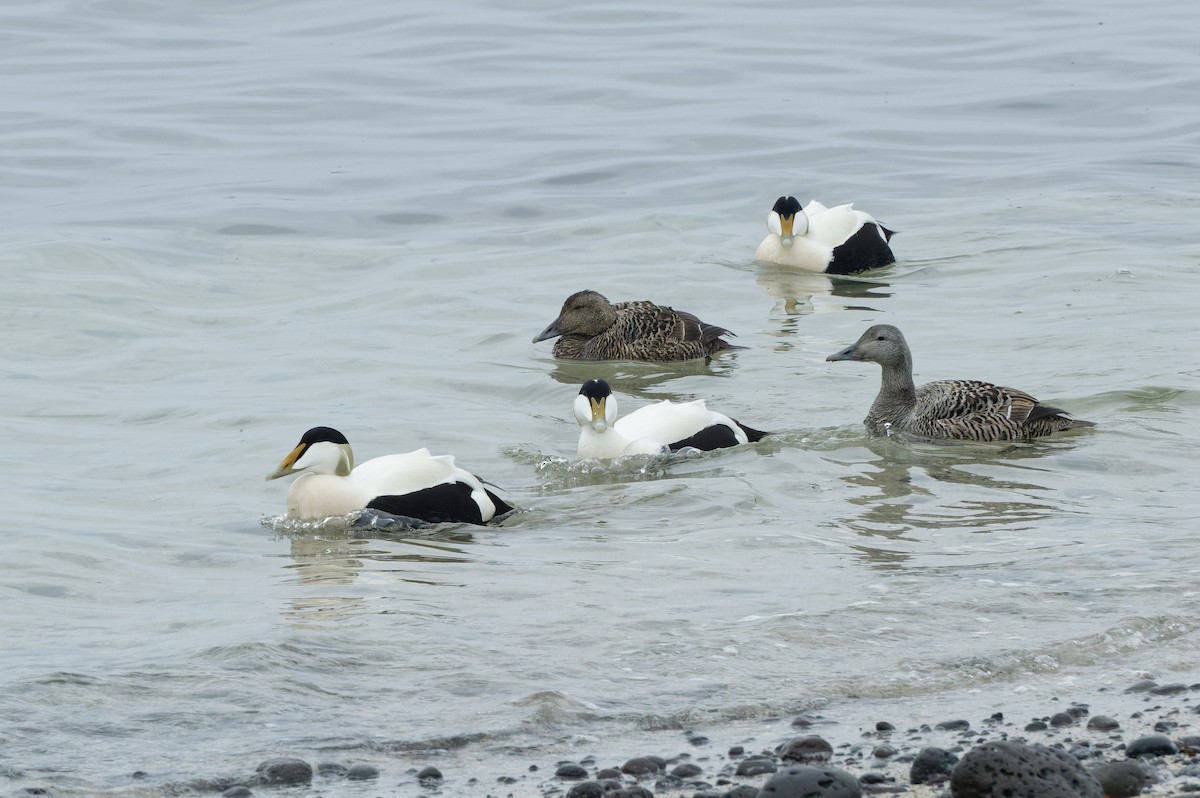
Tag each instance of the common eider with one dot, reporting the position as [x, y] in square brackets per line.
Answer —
[417, 484]
[656, 428]
[962, 410]
[837, 240]
[592, 328]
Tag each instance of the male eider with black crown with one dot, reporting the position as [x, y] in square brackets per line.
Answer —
[589, 327]
[654, 429]
[837, 240]
[959, 410]
[417, 484]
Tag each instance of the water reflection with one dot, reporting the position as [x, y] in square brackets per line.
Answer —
[642, 380]
[802, 292]
[909, 487]
[341, 557]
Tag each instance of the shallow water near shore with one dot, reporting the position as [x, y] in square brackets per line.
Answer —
[229, 223]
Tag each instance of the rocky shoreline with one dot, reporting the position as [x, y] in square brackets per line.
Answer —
[1068, 752]
[1143, 739]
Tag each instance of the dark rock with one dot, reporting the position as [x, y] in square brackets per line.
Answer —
[953, 725]
[742, 791]
[1165, 726]
[286, 771]
[586, 789]
[240, 791]
[1120, 779]
[1061, 719]
[736, 750]
[570, 770]
[873, 778]
[1078, 711]
[1190, 744]
[1010, 769]
[1102, 723]
[668, 782]
[801, 722]
[429, 773]
[1141, 687]
[930, 764]
[1168, 689]
[755, 766]
[883, 725]
[1151, 745]
[685, 770]
[368, 772]
[698, 740]
[608, 773]
[643, 765]
[1037, 725]
[883, 752]
[802, 781]
[629, 792]
[809, 748]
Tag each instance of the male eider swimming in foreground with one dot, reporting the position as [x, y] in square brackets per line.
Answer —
[961, 410]
[592, 328]
[416, 484]
[837, 240]
[654, 429]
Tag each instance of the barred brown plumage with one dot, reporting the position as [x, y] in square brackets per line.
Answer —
[965, 410]
[592, 328]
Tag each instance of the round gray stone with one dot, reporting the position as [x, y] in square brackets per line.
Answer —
[1008, 769]
[1120, 779]
[1151, 745]
[809, 748]
[286, 771]
[803, 781]
[930, 764]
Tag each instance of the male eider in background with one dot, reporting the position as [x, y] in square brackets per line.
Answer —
[654, 429]
[592, 328]
[960, 410]
[837, 240]
[417, 484]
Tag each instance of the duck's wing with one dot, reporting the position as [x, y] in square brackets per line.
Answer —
[970, 410]
[648, 320]
[683, 424]
[429, 487]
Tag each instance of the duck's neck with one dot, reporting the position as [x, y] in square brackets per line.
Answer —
[897, 395]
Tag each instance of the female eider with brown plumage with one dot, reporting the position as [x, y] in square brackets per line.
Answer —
[589, 327]
[837, 240]
[960, 410]
[654, 429]
[417, 484]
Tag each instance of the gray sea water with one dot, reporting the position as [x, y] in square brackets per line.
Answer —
[228, 222]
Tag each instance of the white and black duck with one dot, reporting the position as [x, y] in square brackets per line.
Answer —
[961, 410]
[417, 484]
[589, 327]
[654, 429]
[837, 240]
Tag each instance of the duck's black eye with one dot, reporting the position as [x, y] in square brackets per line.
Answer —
[881, 337]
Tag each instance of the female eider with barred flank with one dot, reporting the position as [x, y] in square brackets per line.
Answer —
[961, 410]
[417, 484]
[592, 328]
[654, 429]
[837, 240]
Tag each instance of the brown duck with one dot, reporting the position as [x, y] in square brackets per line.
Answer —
[589, 327]
[963, 410]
